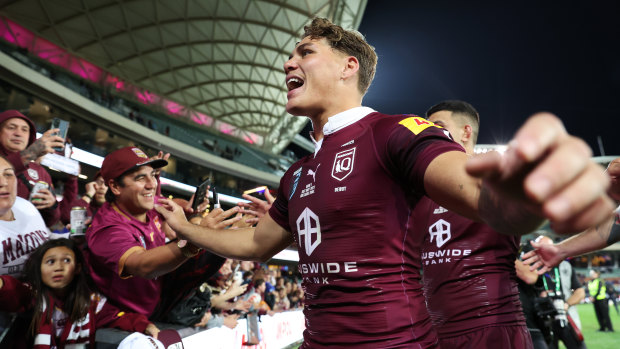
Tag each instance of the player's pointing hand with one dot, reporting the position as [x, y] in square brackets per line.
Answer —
[550, 170]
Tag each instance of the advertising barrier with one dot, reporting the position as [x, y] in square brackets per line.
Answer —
[276, 331]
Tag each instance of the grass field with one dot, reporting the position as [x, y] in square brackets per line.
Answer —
[589, 325]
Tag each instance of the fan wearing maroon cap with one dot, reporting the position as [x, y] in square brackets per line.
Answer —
[469, 275]
[126, 240]
[348, 206]
[19, 144]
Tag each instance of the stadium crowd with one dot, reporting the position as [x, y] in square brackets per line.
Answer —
[145, 262]
[112, 268]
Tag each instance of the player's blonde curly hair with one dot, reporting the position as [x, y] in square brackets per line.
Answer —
[350, 42]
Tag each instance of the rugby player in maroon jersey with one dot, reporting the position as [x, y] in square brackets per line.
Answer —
[469, 274]
[348, 205]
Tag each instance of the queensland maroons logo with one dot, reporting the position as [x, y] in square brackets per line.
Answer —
[343, 164]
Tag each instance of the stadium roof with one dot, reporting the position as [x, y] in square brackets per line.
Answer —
[215, 62]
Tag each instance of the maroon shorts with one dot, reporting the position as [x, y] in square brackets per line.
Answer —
[492, 337]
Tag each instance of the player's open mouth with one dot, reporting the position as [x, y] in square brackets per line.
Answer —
[293, 83]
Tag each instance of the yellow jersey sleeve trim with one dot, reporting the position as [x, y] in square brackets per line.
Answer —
[121, 262]
[416, 124]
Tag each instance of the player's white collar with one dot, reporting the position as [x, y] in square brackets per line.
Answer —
[339, 121]
[344, 119]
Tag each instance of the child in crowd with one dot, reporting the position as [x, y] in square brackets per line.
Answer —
[58, 290]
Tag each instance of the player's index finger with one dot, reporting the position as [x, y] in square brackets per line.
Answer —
[483, 165]
[540, 133]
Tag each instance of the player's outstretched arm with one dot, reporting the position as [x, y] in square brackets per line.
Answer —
[553, 175]
[258, 244]
[546, 256]
[544, 173]
[447, 182]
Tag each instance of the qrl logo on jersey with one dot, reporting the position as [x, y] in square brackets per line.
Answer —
[343, 164]
[308, 226]
[440, 232]
[33, 174]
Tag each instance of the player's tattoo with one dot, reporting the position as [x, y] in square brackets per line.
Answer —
[614, 233]
[515, 219]
[35, 150]
[461, 186]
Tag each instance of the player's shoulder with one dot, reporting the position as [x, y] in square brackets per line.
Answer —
[411, 122]
[381, 118]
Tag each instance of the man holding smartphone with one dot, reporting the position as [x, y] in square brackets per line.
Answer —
[19, 144]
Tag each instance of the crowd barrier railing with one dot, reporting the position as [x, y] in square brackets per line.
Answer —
[277, 331]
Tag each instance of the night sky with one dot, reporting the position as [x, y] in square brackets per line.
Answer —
[507, 58]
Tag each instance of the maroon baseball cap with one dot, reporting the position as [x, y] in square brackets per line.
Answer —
[125, 159]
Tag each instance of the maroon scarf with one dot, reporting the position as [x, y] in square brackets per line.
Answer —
[82, 331]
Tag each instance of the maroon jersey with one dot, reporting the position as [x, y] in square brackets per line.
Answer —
[469, 271]
[349, 209]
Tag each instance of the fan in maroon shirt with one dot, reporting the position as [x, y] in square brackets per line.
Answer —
[349, 205]
[469, 274]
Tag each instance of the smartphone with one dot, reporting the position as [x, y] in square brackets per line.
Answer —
[200, 194]
[63, 127]
[216, 198]
[256, 191]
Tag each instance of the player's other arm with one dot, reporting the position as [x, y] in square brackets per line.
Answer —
[544, 173]
[448, 184]
[257, 244]
[593, 239]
